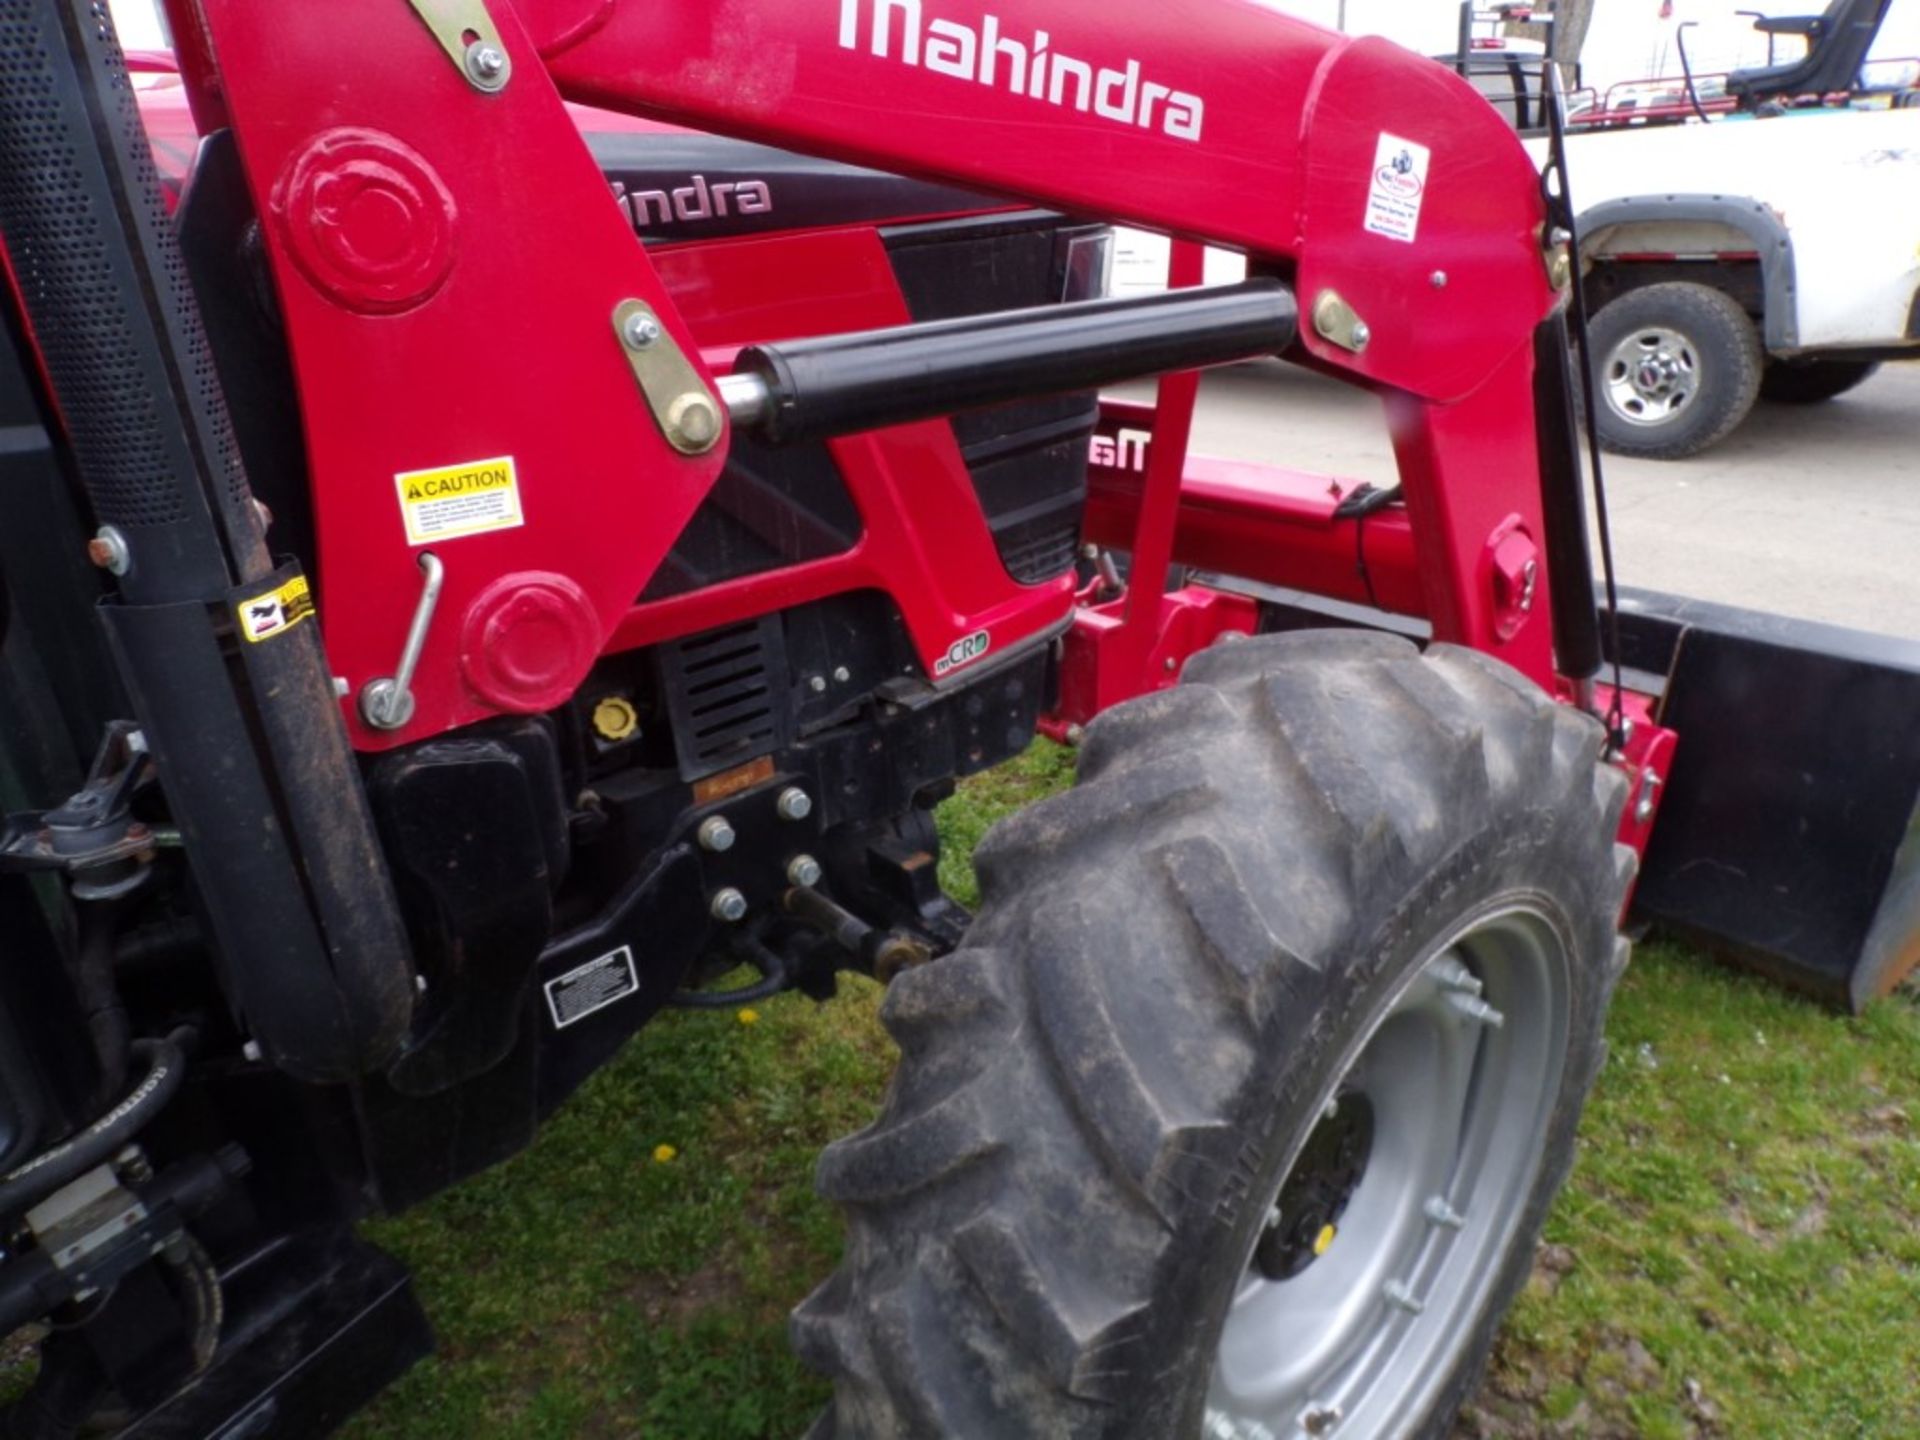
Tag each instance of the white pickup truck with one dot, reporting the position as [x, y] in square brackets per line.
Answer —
[1743, 250]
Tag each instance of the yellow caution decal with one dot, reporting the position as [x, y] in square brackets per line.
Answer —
[457, 500]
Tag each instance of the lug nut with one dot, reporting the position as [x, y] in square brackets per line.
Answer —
[716, 834]
[793, 804]
[804, 871]
[1477, 1010]
[728, 905]
[1401, 1298]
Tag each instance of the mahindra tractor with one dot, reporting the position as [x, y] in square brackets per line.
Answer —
[515, 512]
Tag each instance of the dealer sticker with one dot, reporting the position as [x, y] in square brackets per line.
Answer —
[457, 500]
[1398, 187]
[592, 986]
[265, 616]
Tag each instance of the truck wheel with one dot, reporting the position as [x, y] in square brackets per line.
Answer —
[1808, 382]
[1239, 1113]
[1676, 367]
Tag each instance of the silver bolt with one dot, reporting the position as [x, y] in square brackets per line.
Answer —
[419, 984]
[1456, 977]
[728, 905]
[1320, 1419]
[804, 871]
[842, 674]
[1332, 1108]
[641, 332]
[1075, 734]
[1401, 1298]
[251, 1051]
[1362, 334]
[1643, 807]
[715, 833]
[817, 684]
[109, 550]
[1477, 1010]
[1171, 664]
[342, 687]
[1439, 1212]
[793, 803]
[487, 64]
[1439, 279]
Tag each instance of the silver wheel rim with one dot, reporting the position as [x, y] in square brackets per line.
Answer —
[1651, 376]
[1461, 1070]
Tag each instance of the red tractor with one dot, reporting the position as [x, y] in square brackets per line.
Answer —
[476, 571]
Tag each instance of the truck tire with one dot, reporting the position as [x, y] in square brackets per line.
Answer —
[1808, 382]
[1249, 965]
[1676, 368]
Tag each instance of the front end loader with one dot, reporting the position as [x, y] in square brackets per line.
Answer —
[516, 511]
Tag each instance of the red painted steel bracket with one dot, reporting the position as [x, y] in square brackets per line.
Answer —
[448, 263]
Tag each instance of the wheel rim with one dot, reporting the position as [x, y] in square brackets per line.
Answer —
[1461, 1071]
[1651, 376]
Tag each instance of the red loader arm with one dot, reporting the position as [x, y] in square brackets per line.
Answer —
[449, 269]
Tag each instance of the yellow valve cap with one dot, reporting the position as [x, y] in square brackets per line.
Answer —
[1323, 1242]
[614, 718]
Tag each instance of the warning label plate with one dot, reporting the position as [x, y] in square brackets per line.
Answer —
[457, 500]
[1398, 187]
[265, 616]
[593, 986]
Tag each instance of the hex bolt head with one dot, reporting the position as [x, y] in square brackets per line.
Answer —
[804, 871]
[1362, 335]
[716, 834]
[641, 332]
[108, 549]
[728, 905]
[487, 64]
[1438, 279]
[793, 804]
[1320, 1419]
[842, 674]
[817, 684]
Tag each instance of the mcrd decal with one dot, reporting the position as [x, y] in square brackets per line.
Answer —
[963, 651]
[1397, 188]
[962, 52]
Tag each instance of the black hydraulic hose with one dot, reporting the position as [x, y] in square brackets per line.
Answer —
[34, 1181]
[99, 995]
[770, 965]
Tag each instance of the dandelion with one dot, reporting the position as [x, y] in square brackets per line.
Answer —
[664, 1154]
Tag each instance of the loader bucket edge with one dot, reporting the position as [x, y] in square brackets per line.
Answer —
[1788, 838]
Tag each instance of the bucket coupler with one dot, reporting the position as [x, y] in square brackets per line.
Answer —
[1789, 836]
[230, 687]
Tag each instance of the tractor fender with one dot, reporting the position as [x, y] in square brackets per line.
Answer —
[1780, 326]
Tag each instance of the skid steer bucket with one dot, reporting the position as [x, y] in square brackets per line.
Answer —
[1787, 837]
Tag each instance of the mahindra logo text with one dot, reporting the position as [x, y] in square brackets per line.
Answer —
[896, 31]
[1126, 450]
[696, 200]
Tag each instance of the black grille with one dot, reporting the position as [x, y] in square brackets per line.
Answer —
[725, 692]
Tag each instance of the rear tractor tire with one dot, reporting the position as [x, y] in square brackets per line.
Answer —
[1238, 1115]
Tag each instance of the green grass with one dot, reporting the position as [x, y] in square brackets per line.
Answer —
[1738, 1254]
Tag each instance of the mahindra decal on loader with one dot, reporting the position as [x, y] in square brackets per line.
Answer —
[439, 628]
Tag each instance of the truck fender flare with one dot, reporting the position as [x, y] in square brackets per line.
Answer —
[1780, 325]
